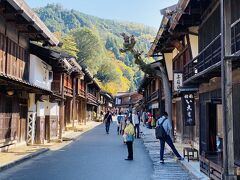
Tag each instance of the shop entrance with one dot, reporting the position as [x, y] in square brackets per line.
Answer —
[215, 132]
[215, 137]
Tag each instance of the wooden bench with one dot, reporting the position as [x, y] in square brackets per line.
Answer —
[190, 152]
[215, 171]
[204, 165]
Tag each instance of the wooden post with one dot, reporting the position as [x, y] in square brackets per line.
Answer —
[74, 101]
[61, 113]
[226, 72]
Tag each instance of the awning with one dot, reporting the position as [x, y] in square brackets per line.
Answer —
[13, 81]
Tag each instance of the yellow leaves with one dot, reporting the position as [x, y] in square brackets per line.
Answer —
[120, 82]
[58, 35]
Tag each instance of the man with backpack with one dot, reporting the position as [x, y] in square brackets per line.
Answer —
[163, 132]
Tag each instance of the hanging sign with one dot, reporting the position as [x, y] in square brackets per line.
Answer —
[178, 81]
[155, 106]
[188, 109]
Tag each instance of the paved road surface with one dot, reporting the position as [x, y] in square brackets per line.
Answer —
[94, 156]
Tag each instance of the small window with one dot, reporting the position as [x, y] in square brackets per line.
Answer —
[50, 75]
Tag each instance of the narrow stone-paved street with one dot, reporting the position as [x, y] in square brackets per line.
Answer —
[94, 156]
[170, 169]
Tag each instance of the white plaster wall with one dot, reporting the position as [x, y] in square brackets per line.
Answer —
[47, 108]
[175, 53]
[40, 108]
[38, 72]
[31, 103]
[168, 59]
[194, 45]
[54, 109]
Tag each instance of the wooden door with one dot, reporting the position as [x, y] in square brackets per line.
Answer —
[23, 122]
[212, 130]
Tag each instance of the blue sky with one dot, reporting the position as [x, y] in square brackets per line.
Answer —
[141, 11]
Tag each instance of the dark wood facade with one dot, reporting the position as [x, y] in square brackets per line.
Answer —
[203, 70]
[14, 69]
[151, 89]
[105, 101]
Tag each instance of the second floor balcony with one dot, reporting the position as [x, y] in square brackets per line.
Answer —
[81, 92]
[206, 64]
[235, 40]
[91, 99]
[153, 96]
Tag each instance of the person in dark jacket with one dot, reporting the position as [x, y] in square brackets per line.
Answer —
[107, 120]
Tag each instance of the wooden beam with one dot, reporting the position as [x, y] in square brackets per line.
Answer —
[31, 32]
[17, 12]
[41, 39]
[25, 23]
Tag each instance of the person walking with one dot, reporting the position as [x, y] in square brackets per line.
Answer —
[135, 121]
[144, 117]
[129, 133]
[119, 121]
[107, 120]
[166, 124]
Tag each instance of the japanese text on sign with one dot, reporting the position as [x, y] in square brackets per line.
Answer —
[178, 81]
[188, 110]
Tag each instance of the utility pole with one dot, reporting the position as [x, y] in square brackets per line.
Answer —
[226, 74]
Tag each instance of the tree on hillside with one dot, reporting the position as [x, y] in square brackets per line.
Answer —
[106, 73]
[88, 43]
[69, 45]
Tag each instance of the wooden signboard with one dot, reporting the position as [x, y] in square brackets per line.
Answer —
[188, 109]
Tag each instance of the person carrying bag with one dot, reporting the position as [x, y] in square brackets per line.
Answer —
[163, 133]
[129, 134]
[159, 130]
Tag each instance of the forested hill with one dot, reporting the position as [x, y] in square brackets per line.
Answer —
[96, 42]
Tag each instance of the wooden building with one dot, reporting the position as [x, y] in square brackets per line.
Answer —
[92, 95]
[67, 74]
[125, 101]
[192, 39]
[151, 89]
[17, 29]
[105, 101]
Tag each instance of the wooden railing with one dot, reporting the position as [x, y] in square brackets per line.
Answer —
[154, 95]
[81, 92]
[91, 97]
[68, 91]
[181, 59]
[55, 87]
[235, 36]
[208, 57]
